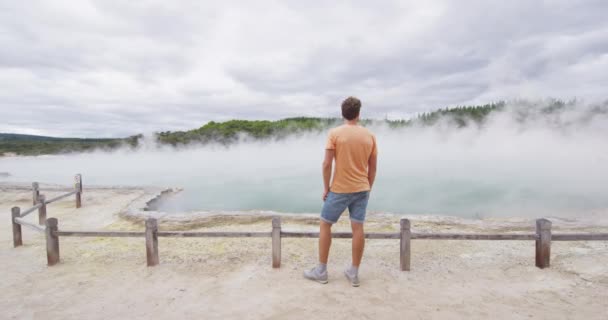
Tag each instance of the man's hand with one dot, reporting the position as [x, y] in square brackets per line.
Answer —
[327, 162]
[325, 194]
[371, 171]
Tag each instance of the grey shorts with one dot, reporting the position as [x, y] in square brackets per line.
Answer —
[336, 203]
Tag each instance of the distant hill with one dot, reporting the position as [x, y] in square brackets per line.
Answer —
[229, 131]
[23, 144]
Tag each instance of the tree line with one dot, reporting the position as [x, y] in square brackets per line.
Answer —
[231, 131]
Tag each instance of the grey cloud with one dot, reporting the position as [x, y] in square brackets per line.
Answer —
[116, 68]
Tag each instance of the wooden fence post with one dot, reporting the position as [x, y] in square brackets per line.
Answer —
[405, 245]
[78, 187]
[52, 242]
[152, 242]
[543, 243]
[42, 210]
[35, 192]
[17, 239]
[276, 242]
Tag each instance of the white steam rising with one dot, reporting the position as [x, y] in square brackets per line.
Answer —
[552, 164]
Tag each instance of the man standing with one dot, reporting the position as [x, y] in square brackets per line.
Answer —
[355, 152]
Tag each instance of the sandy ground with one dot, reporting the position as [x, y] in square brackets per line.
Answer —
[107, 278]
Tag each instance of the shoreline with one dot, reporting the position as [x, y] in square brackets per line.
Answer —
[143, 208]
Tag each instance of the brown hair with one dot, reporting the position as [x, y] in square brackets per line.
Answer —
[350, 108]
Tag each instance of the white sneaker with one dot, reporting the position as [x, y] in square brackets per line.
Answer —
[315, 275]
[354, 280]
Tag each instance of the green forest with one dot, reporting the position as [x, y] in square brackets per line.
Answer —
[20, 144]
[230, 131]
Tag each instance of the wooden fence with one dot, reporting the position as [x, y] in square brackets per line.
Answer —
[542, 236]
[40, 203]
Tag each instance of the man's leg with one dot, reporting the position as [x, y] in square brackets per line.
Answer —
[352, 272]
[333, 207]
[357, 216]
[319, 273]
[358, 242]
[324, 241]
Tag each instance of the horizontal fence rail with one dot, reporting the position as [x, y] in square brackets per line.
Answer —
[61, 197]
[32, 209]
[30, 225]
[542, 237]
[338, 235]
[429, 236]
[580, 237]
[102, 234]
[335, 235]
[465, 236]
[213, 234]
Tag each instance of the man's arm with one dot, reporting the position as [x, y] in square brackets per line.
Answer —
[371, 171]
[327, 165]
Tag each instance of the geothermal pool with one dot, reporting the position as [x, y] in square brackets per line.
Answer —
[499, 170]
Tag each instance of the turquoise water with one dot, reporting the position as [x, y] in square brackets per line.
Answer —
[460, 197]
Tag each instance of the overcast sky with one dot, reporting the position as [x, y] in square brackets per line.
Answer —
[116, 68]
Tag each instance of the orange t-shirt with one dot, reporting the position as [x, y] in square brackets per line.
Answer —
[353, 145]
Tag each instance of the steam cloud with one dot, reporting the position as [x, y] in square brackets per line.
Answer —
[545, 164]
